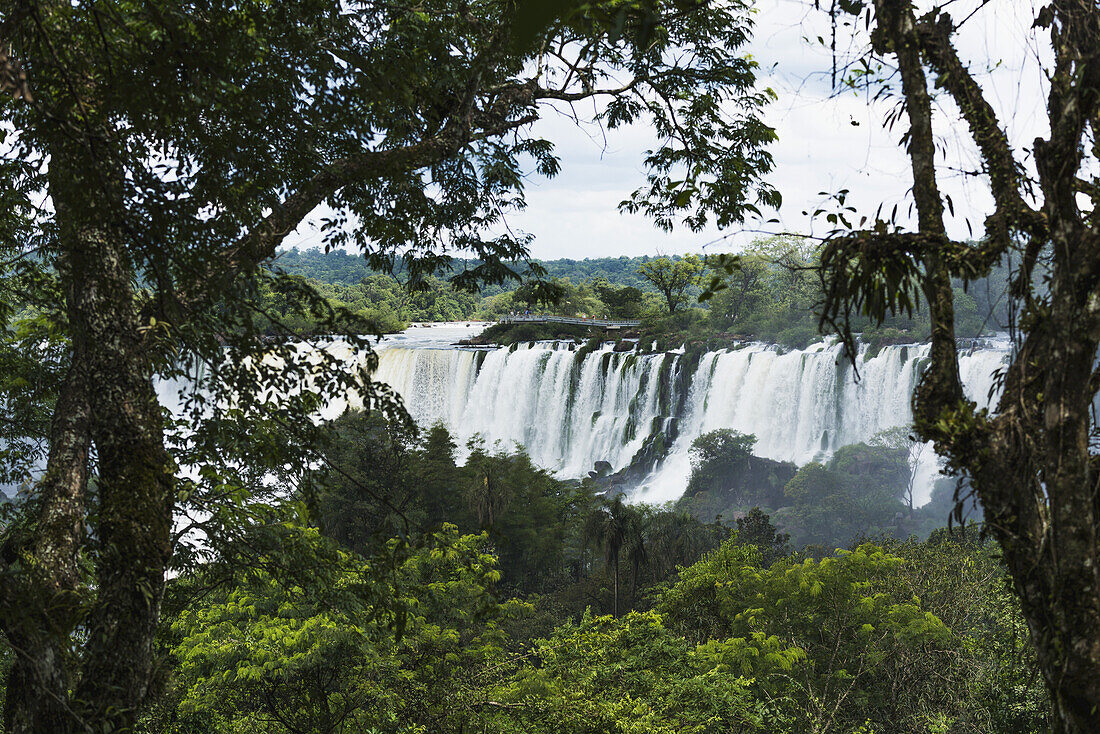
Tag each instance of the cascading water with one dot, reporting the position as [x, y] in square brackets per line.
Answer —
[569, 409]
[804, 405]
[566, 409]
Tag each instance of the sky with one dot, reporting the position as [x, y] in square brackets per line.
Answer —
[827, 142]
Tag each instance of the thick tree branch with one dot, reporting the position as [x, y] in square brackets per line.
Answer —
[261, 241]
[1006, 176]
[1071, 104]
[940, 388]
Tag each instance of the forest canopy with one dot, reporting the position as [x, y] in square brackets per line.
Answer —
[157, 154]
[234, 563]
[771, 296]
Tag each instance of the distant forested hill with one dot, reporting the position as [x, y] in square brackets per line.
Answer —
[772, 296]
[341, 268]
[618, 271]
[328, 267]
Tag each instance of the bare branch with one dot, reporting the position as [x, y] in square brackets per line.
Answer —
[1005, 173]
[940, 386]
[565, 96]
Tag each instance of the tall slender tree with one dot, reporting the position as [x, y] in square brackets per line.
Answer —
[615, 527]
[1033, 462]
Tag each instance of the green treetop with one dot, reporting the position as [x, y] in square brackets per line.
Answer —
[673, 278]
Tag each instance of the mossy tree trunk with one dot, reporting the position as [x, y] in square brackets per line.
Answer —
[1030, 462]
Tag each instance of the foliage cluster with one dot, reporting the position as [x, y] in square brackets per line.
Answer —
[863, 489]
[561, 611]
[771, 294]
[313, 636]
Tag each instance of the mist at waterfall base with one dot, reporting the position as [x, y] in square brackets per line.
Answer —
[569, 411]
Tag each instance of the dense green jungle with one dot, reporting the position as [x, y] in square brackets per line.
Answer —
[199, 536]
[425, 595]
[410, 594]
[770, 296]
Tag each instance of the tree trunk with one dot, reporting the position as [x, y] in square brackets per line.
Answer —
[40, 608]
[136, 495]
[135, 488]
[1039, 494]
[615, 604]
[1030, 464]
[37, 692]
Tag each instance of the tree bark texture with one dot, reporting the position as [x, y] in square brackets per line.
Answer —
[1029, 463]
[107, 401]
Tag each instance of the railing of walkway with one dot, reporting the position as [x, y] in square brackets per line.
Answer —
[543, 319]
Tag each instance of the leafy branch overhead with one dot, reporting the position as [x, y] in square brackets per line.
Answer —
[157, 154]
[465, 128]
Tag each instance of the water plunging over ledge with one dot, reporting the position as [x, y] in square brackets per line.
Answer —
[569, 408]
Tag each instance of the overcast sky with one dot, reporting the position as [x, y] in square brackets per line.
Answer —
[827, 142]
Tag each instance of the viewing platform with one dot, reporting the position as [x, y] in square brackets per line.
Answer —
[544, 319]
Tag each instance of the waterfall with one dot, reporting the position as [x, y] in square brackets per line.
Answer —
[569, 409]
[804, 405]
